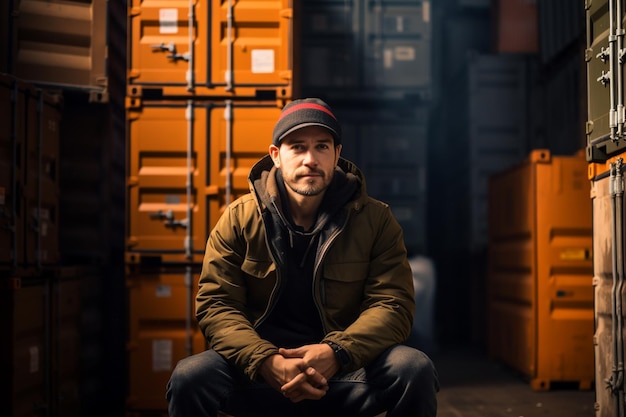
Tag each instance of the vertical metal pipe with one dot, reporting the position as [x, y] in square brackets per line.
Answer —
[619, 264]
[40, 105]
[228, 116]
[45, 355]
[189, 183]
[229, 47]
[189, 289]
[613, 382]
[618, 75]
[191, 75]
[612, 69]
[14, 181]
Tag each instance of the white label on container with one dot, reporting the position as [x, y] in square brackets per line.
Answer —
[163, 291]
[404, 53]
[168, 21]
[399, 24]
[34, 359]
[162, 351]
[387, 58]
[426, 11]
[262, 61]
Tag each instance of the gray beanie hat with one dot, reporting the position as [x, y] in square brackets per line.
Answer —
[306, 112]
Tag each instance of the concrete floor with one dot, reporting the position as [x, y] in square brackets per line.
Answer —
[472, 385]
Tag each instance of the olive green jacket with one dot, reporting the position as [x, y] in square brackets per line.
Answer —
[363, 286]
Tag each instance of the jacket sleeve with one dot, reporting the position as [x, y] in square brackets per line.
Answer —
[221, 299]
[388, 304]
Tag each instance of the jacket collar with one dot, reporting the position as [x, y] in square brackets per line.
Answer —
[263, 184]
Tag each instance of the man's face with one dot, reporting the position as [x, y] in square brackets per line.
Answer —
[307, 160]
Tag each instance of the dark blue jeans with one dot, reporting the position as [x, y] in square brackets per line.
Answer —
[402, 381]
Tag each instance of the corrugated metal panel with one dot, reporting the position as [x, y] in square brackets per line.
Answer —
[605, 91]
[495, 133]
[565, 105]
[41, 181]
[372, 137]
[375, 50]
[463, 35]
[94, 357]
[516, 26]
[165, 219]
[397, 40]
[6, 36]
[87, 205]
[561, 26]
[540, 273]
[61, 42]
[233, 47]
[608, 211]
[162, 329]
[161, 298]
[25, 350]
[29, 185]
[66, 342]
[152, 356]
[12, 145]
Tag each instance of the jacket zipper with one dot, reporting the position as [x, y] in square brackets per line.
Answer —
[322, 254]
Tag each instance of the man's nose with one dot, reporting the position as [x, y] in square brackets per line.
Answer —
[310, 158]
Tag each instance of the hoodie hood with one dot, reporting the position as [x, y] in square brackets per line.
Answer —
[347, 179]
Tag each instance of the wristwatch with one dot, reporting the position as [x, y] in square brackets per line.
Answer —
[341, 355]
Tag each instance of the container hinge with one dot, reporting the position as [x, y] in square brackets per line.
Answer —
[171, 48]
[170, 221]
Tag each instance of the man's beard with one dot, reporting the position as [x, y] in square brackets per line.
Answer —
[308, 190]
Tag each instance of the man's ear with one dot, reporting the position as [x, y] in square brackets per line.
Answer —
[337, 153]
[274, 151]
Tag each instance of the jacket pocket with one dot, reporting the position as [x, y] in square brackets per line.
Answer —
[342, 290]
[258, 269]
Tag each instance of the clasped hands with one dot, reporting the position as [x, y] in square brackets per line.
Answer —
[301, 373]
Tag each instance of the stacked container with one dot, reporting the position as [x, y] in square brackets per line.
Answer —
[606, 150]
[39, 300]
[540, 299]
[206, 83]
[371, 61]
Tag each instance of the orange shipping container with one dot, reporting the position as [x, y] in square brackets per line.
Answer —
[29, 188]
[24, 351]
[187, 160]
[66, 341]
[60, 43]
[161, 298]
[540, 301]
[152, 357]
[41, 183]
[217, 47]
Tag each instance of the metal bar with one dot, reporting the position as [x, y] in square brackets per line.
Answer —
[189, 182]
[191, 76]
[189, 287]
[228, 116]
[13, 220]
[40, 105]
[229, 47]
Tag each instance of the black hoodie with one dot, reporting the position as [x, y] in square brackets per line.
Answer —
[295, 321]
